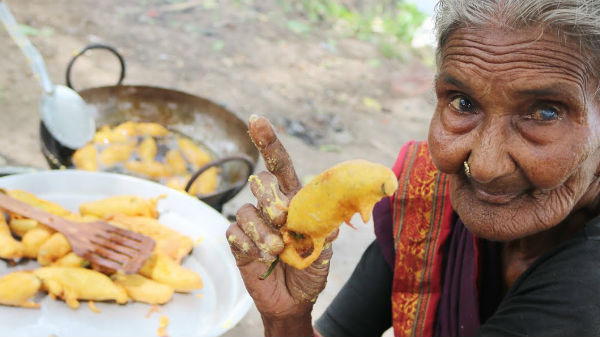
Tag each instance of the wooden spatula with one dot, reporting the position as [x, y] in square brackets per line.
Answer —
[99, 242]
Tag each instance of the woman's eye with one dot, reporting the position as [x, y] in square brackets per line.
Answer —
[462, 104]
[545, 114]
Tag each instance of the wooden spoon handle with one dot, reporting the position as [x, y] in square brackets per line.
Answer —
[53, 221]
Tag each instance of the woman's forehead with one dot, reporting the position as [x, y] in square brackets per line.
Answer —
[527, 56]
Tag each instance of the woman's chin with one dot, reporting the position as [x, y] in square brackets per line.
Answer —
[496, 219]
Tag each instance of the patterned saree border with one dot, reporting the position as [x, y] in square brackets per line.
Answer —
[422, 216]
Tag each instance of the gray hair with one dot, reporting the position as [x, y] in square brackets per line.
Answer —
[578, 19]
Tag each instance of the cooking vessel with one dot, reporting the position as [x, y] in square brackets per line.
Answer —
[203, 121]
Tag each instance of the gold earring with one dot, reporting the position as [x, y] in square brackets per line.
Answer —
[467, 169]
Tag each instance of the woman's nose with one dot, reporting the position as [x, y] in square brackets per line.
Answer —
[490, 157]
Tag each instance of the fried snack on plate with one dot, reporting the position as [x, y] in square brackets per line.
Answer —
[20, 226]
[71, 260]
[32, 200]
[17, 288]
[122, 204]
[34, 239]
[142, 289]
[73, 284]
[53, 249]
[168, 242]
[330, 199]
[9, 247]
[86, 158]
[163, 269]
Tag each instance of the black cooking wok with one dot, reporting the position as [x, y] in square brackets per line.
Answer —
[210, 124]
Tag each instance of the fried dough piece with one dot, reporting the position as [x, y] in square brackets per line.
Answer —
[53, 249]
[151, 129]
[122, 204]
[106, 135]
[73, 284]
[206, 183]
[147, 149]
[175, 162]
[114, 154]
[34, 239]
[20, 226]
[18, 287]
[9, 247]
[193, 153]
[86, 158]
[71, 260]
[329, 200]
[162, 269]
[151, 169]
[142, 289]
[168, 242]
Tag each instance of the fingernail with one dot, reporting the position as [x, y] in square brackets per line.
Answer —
[252, 118]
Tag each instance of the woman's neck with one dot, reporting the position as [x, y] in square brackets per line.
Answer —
[520, 254]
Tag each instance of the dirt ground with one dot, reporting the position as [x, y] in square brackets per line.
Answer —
[332, 97]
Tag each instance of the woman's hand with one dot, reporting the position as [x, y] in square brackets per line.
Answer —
[285, 298]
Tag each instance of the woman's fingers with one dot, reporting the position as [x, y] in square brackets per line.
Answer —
[242, 247]
[271, 201]
[274, 154]
[266, 238]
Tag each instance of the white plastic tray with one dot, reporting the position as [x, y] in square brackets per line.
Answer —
[224, 300]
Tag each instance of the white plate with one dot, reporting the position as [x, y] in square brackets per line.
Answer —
[224, 300]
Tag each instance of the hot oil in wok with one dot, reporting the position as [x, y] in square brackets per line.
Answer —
[148, 150]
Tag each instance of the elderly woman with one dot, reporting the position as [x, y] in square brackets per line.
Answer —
[494, 229]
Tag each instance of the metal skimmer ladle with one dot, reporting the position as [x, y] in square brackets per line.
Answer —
[64, 113]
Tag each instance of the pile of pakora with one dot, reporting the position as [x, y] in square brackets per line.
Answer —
[69, 277]
[151, 151]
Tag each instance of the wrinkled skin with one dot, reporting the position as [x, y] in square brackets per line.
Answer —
[519, 107]
[285, 298]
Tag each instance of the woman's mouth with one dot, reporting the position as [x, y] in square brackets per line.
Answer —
[494, 197]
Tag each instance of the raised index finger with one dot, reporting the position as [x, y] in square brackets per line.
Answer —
[276, 158]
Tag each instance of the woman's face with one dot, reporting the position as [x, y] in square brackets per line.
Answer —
[519, 107]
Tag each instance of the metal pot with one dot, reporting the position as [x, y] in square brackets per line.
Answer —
[206, 122]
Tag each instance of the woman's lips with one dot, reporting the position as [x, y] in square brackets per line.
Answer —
[494, 198]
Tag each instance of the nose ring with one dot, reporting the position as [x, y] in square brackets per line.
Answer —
[467, 169]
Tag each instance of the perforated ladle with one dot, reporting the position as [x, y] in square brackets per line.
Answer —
[64, 113]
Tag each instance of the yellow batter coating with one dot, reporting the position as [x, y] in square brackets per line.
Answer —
[73, 284]
[17, 288]
[142, 289]
[329, 200]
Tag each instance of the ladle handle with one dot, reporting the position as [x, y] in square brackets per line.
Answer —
[95, 46]
[33, 55]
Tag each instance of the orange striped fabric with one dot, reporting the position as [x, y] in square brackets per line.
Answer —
[422, 217]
